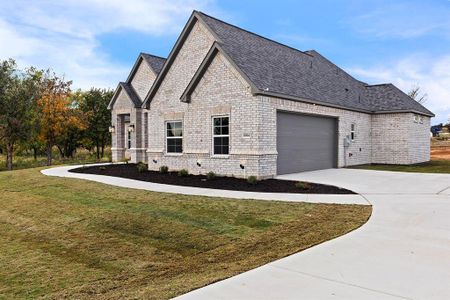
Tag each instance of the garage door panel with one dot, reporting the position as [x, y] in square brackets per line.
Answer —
[305, 142]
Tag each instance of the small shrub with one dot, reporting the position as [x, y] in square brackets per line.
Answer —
[102, 168]
[211, 175]
[164, 169]
[142, 167]
[252, 180]
[303, 185]
[183, 173]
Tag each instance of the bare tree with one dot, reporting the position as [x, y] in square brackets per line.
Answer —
[417, 94]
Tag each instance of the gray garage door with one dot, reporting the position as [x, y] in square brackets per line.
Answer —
[305, 143]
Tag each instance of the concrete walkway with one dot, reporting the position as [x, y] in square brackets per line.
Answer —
[166, 188]
[403, 252]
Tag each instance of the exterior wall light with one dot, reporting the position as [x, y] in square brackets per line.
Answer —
[131, 128]
[112, 129]
[154, 161]
[199, 163]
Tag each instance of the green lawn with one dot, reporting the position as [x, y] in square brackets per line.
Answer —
[434, 166]
[68, 238]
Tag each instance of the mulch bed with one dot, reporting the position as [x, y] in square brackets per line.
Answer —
[224, 183]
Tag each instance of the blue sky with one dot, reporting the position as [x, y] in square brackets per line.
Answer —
[96, 42]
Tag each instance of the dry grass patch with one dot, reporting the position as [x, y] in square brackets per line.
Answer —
[79, 239]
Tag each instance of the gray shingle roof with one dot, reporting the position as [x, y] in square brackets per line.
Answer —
[283, 70]
[131, 93]
[155, 62]
[387, 97]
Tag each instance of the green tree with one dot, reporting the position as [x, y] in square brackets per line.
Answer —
[94, 104]
[18, 91]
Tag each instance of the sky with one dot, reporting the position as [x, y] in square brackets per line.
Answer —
[96, 42]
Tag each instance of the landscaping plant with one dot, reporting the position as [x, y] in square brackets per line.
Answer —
[142, 167]
[210, 175]
[183, 173]
[252, 180]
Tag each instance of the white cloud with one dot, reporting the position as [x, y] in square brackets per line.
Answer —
[404, 19]
[63, 34]
[429, 72]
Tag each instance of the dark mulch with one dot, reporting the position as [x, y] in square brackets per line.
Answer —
[224, 183]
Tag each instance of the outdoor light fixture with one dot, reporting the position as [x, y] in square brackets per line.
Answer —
[131, 128]
[242, 166]
[112, 129]
[199, 164]
[155, 161]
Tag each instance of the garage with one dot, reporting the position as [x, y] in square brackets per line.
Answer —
[305, 142]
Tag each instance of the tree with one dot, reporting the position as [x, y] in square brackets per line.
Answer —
[55, 112]
[71, 137]
[94, 104]
[417, 94]
[18, 91]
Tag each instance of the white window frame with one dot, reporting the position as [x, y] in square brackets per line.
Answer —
[174, 137]
[220, 135]
[353, 131]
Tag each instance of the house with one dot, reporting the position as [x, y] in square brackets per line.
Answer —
[233, 102]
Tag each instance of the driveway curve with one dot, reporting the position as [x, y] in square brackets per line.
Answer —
[63, 171]
[403, 252]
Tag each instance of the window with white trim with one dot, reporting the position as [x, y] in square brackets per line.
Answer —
[174, 137]
[353, 131]
[221, 135]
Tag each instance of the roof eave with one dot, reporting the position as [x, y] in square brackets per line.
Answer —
[311, 101]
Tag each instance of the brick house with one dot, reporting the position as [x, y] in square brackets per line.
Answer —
[233, 102]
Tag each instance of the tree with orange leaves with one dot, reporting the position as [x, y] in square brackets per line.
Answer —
[56, 112]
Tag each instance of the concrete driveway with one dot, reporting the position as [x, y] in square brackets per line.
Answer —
[403, 252]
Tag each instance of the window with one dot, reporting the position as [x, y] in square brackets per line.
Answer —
[129, 139]
[221, 136]
[352, 131]
[416, 118]
[174, 137]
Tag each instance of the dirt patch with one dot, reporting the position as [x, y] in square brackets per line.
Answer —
[440, 153]
[224, 183]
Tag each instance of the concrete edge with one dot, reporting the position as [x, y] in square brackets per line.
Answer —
[63, 171]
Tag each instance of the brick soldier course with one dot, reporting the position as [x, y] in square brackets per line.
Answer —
[217, 69]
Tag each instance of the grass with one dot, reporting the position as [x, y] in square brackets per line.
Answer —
[433, 166]
[26, 161]
[68, 238]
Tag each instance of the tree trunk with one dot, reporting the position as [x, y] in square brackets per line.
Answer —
[103, 148]
[98, 149]
[34, 153]
[49, 154]
[9, 155]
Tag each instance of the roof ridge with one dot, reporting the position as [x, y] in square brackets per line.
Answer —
[156, 56]
[379, 84]
[255, 34]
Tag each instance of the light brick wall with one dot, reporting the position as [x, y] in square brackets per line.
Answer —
[398, 139]
[359, 151]
[143, 79]
[123, 106]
